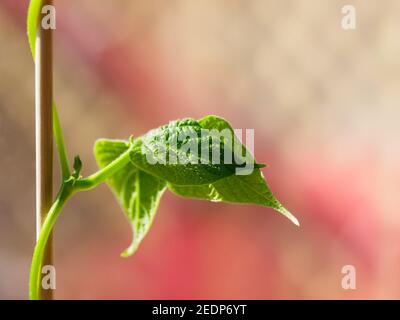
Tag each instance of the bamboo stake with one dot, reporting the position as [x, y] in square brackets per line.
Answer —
[44, 134]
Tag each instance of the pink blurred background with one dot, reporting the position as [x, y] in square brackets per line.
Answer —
[324, 106]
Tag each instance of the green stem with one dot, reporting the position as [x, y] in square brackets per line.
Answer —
[65, 193]
[98, 177]
[68, 188]
[62, 153]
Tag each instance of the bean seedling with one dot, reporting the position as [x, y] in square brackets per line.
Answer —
[138, 170]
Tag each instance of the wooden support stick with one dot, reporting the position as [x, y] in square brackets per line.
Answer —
[44, 134]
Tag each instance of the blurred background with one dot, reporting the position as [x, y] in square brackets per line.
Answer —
[324, 105]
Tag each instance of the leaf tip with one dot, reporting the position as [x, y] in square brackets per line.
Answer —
[295, 221]
[260, 165]
[281, 209]
[131, 249]
[125, 254]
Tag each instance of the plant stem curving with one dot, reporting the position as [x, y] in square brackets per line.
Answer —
[68, 188]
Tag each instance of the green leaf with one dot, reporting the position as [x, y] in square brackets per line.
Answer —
[138, 192]
[249, 189]
[218, 123]
[140, 184]
[174, 153]
[214, 122]
[33, 17]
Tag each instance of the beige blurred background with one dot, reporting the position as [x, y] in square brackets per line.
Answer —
[324, 105]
